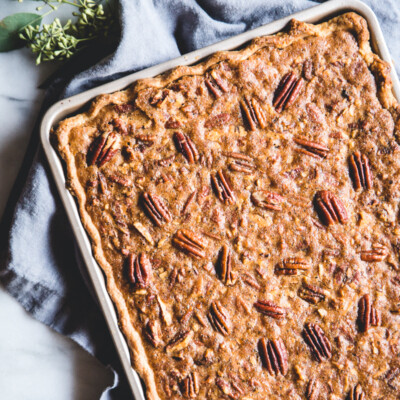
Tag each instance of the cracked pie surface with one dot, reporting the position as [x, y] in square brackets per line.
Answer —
[245, 212]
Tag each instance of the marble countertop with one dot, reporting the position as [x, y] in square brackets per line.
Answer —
[36, 363]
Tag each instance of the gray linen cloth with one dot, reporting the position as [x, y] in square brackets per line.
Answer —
[39, 265]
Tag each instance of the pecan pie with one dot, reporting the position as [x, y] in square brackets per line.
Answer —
[245, 212]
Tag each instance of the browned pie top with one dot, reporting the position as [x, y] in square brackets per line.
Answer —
[245, 212]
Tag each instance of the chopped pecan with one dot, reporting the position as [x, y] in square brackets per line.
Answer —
[223, 187]
[188, 202]
[217, 121]
[219, 318]
[356, 393]
[165, 162]
[308, 70]
[184, 320]
[313, 389]
[190, 242]
[267, 200]
[156, 208]
[270, 309]
[152, 332]
[165, 314]
[145, 139]
[121, 180]
[179, 342]
[310, 148]
[207, 358]
[287, 91]
[143, 231]
[250, 280]
[377, 253]
[103, 184]
[291, 266]
[330, 208]
[367, 314]
[159, 97]
[120, 126]
[224, 266]
[185, 146]
[216, 85]
[360, 171]
[317, 341]
[203, 194]
[254, 113]
[124, 108]
[391, 376]
[241, 163]
[190, 385]
[102, 149]
[312, 294]
[230, 389]
[172, 123]
[396, 280]
[274, 356]
[139, 270]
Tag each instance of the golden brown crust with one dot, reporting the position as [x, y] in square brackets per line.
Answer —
[298, 32]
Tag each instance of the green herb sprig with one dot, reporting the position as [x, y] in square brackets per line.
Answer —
[57, 41]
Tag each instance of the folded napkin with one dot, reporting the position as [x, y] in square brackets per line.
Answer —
[40, 265]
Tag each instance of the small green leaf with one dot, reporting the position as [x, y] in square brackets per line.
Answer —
[10, 27]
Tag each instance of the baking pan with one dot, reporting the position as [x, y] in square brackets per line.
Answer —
[68, 106]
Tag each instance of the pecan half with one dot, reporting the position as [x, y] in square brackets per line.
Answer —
[224, 266]
[156, 208]
[313, 389]
[360, 171]
[312, 294]
[241, 163]
[356, 393]
[219, 318]
[274, 356]
[270, 309]
[179, 342]
[190, 385]
[267, 200]
[190, 242]
[317, 341]
[292, 266]
[152, 332]
[216, 85]
[287, 91]
[377, 253]
[223, 188]
[139, 270]
[330, 208]
[185, 146]
[254, 113]
[367, 314]
[102, 149]
[310, 148]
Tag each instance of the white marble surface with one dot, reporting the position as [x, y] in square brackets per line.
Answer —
[36, 363]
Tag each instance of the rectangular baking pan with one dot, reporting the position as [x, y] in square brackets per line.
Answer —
[68, 106]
